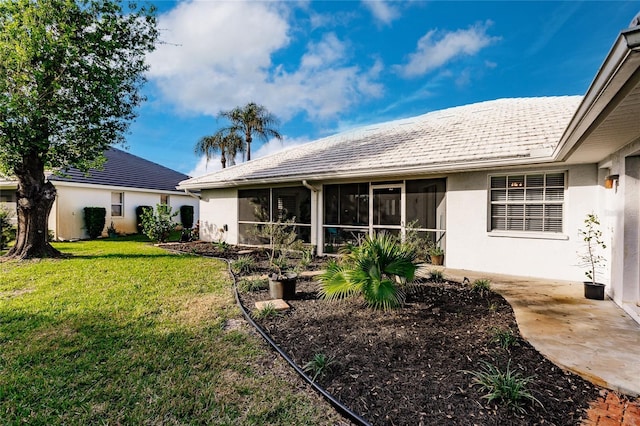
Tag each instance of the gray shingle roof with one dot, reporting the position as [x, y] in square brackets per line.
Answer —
[126, 170]
[499, 130]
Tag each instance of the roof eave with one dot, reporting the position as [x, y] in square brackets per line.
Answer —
[441, 168]
[617, 76]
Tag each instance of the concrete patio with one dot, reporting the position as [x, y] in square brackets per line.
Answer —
[594, 339]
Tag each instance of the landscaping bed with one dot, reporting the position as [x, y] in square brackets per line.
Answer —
[414, 365]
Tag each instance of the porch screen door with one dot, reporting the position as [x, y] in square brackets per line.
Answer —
[387, 209]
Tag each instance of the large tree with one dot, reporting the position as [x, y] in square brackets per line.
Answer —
[70, 79]
[252, 119]
[227, 143]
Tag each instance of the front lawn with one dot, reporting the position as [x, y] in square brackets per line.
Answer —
[123, 332]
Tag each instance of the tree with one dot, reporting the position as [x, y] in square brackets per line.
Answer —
[70, 74]
[252, 119]
[227, 143]
[159, 224]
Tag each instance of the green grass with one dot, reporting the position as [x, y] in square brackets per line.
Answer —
[125, 333]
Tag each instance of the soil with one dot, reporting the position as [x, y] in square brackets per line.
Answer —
[413, 365]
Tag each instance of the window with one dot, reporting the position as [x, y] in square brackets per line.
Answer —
[7, 196]
[164, 199]
[259, 206]
[117, 204]
[532, 202]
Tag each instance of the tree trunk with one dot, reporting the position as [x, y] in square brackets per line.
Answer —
[34, 203]
[248, 139]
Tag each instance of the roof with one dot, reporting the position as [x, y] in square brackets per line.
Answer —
[126, 170]
[503, 131]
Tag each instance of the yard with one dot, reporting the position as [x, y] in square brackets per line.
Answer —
[123, 332]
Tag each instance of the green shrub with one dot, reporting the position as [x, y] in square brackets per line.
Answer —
[379, 269]
[7, 230]
[436, 275]
[243, 265]
[508, 387]
[186, 216]
[504, 338]
[481, 286]
[252, 284]
[139, 211]
[159, 224]
[94, 220]
[267, 311]
[319, 365]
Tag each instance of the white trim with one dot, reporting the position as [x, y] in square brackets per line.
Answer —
[529, 235]
[114, 188]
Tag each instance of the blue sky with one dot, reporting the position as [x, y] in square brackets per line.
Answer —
[328, 66]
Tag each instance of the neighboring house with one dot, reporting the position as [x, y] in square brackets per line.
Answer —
[126, 182]
[503, 186]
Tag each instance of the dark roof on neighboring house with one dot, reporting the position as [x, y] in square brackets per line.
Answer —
[126, 170]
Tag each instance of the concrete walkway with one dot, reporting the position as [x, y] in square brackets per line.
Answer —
[594, 339]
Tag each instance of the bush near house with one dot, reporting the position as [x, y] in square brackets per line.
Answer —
[159, 224]
[94, 221]
[7, 230]
[139, 211]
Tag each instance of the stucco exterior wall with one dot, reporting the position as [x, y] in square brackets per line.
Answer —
[471, 246]
[218, 208]
[623, 221]
[67, 216]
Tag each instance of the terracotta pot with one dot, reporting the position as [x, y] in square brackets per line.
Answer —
[437, 260]
[283, 287]
[593, 291]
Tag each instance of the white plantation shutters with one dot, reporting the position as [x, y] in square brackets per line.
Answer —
[532, 202]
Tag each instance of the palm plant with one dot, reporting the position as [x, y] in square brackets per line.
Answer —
[379, 269]
[227, 143]
[250, 120]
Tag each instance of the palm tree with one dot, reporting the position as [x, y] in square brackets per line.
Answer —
[250, 120]
[379, 269]
[227, 143]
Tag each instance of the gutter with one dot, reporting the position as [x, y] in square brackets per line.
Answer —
[309, 186]
[191, 194]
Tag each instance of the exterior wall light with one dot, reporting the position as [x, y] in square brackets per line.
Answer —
[609, 181]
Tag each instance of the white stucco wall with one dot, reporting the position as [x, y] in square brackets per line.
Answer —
[219, 208]
[471, 246]
[67, 216]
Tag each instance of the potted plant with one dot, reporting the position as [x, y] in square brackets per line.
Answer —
[111, 231]
[282, 239]
[436, 254]
[591, 259]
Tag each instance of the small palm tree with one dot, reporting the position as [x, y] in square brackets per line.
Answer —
[227, 143]
[379, 269]
[250, 120]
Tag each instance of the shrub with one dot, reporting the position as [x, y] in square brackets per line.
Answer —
[139, 211]
[379, 270]
[481, 286]
[508, 387]
[243, 265]
[7, 230]
[252, 284]
[319, 365]
[186, 216]
[267, 311]
[159, 224]
[94, 220]
[504, 338]
[436, 275]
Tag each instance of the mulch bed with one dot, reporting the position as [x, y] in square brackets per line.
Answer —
[411, 366]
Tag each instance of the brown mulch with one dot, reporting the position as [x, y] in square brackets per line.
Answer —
[412, 366]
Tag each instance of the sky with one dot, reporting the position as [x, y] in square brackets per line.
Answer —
[323, 67]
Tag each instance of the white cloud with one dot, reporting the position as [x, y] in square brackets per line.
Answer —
[382, 10]
[218, 55]
[436, 49]
[273, 146]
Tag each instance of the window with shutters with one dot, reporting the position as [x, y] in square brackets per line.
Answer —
[528, 202]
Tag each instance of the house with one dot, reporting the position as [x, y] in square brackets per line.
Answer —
[503, 186]
[126, 182]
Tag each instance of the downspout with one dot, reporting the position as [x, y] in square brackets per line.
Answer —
[314, 232]
[191, 194]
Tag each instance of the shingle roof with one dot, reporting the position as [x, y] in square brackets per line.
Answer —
[126, 170]
[499, 130]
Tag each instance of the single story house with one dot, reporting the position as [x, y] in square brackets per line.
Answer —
[126, 182]
[503, 186]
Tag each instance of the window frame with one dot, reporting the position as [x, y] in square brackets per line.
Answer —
[525, 201]
[121, 203]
